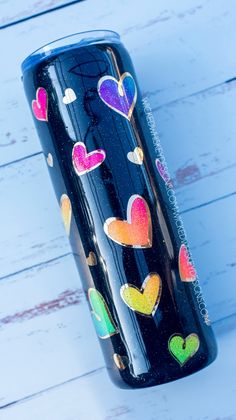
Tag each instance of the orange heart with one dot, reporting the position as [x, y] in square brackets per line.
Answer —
[66, 212]
[136, 232]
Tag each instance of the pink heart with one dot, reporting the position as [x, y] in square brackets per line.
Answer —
[40, 105]
[84, 162]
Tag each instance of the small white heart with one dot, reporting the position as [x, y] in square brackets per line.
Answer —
[69, 97]
[50, 160]
[136, 156]
[91, 259]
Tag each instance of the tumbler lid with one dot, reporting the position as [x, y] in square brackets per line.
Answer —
[76, 40]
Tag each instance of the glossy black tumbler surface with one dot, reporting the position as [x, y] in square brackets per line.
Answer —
[119, 209]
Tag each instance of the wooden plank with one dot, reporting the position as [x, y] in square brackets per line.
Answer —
[13, 11]
[199, 147]
[44, 317]
[211, 231]
[32, 231]
[189, 64]
[94, 397]
[43, 342]
[31, 228]
[198, 137]
[45, 330]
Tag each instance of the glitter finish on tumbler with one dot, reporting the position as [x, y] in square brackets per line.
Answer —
[115, 197]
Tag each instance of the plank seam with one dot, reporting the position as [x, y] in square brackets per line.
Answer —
[199, 92]
[71, 253]
[36, 394]
[21, 159]
[16, 22]
[223, 197]
[84, 375]
[35, 266]
[229, 81]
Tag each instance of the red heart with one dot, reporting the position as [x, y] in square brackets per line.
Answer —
[186, 268]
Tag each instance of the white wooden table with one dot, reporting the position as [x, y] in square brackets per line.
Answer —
[51, 366]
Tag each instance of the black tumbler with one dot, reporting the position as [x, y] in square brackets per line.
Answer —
[119, 209]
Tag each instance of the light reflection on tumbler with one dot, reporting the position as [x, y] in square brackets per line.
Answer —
[136, 271]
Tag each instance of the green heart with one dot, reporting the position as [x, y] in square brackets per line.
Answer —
[102, 318]
[182, 349]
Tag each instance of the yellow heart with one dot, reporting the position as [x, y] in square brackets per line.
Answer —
[66, 212]
[144, 301]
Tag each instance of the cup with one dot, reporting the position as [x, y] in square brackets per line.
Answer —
[119, 209]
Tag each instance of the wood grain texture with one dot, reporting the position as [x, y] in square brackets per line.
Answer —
[182, 53]
[198, 144]
[45, 330]
[196, 33]
[198, 137]
[32, 231]
[45, 321]
[199, 396]
[212, 241]
[14, 11]
[31, 227]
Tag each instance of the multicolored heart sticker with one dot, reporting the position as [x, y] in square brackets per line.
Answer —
[136, 156]
[146, 300]
[163, 173]
[84, 162]
[119, 95]
[182, 349]
[136, 232]
[187, 271]
[66, 212]
[40, 105]
[121, 361]
[102, 318]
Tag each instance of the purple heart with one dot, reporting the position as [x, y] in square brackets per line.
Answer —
[163, 172]
[120, 95]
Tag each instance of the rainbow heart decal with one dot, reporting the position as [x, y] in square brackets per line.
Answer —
[66, 212]
[40, 105]
[187, 271]
[134, 232]
[146, 300]
[102, 318]
[84, 162]
[182, 349]
[120, 95]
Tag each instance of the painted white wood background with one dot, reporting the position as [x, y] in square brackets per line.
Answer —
[51, 366]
